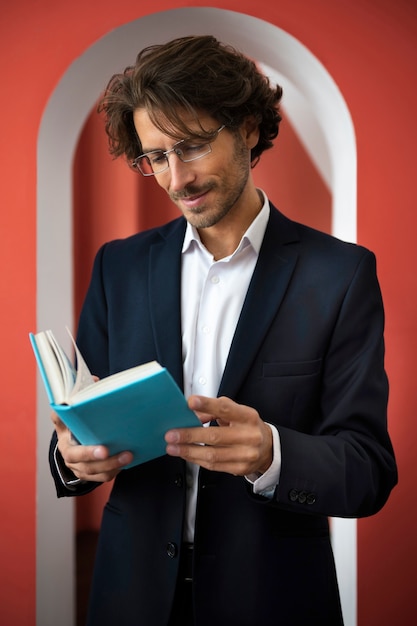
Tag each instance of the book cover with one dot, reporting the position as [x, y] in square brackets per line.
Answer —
[130, 410]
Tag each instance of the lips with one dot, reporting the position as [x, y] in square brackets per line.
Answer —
[192, 199]
[192, 202]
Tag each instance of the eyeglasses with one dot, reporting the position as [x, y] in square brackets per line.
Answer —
[187, 150]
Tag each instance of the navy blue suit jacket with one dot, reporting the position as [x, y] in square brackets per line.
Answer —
[308, 354]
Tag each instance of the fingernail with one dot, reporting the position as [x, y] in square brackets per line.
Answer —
[124, 458]
[172, 436]
[196, 402]
[98, 453]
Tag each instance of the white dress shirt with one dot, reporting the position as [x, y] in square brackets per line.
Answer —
[212, 296]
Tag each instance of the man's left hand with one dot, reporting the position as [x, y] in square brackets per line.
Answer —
[242, 445]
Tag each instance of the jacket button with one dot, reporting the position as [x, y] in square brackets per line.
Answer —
[302, 497]
[172, 549]
[178, 481]
[293, 495]
[311, 498]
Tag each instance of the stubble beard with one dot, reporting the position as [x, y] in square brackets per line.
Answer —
[228, 192]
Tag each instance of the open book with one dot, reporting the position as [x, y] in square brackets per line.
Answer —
[131, 410]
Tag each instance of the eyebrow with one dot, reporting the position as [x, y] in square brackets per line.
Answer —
[188, 138]
[145, 151]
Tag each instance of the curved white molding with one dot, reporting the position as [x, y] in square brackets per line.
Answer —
[320, 117]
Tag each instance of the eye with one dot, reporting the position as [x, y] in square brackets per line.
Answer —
[192, 149]
[156, 157]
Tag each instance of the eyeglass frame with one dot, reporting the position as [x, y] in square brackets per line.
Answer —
[175, 148]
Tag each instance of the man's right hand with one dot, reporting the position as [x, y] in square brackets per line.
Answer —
[89, 463]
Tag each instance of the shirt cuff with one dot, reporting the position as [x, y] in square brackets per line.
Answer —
[265, 484]
[65, 475]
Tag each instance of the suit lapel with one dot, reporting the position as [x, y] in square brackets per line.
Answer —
[165, 299]
[273, 271]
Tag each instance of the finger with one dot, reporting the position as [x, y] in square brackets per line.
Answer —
[237, 460]
[100, 470]
[212, 436]
[241, 425]
[58, 424]
[65, 436]
[241, 448]
[96, 456]
[193, 403]
[222, 409]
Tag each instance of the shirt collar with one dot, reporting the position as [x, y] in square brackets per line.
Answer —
[253, 236]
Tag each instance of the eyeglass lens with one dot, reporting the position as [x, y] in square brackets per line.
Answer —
[156, 161]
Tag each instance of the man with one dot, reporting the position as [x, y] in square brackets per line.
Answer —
[275, 333]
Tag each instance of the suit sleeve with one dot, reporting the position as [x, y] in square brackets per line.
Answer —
[91, 339]
[346, 466]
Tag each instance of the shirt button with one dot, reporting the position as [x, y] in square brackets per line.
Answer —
[178, 481]
[206, 330]
[215, 280]
[202, 380]
[172, 549]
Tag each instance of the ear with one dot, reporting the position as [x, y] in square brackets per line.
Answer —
[250, 132]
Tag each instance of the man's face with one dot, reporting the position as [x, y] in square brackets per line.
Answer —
[208, 189]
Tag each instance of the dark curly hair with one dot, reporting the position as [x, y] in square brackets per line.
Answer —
[192, 75]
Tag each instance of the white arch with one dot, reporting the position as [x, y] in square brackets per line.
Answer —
[320, 117]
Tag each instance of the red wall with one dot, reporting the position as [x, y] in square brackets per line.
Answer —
[368, 46]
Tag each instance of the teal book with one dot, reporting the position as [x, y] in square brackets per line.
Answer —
[130, 410]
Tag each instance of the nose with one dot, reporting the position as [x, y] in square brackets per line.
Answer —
[181, 174]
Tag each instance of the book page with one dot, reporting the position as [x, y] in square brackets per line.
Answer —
[50, 367]
[118, 380]
[66, 368]
[83, 377]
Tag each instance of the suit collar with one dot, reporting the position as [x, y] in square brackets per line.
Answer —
[253, 236]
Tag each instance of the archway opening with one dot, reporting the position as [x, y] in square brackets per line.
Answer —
[321, 120]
